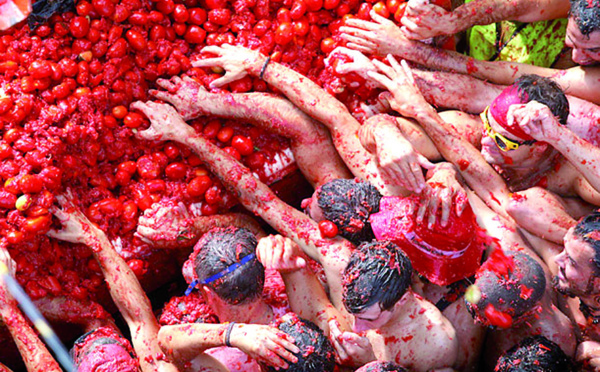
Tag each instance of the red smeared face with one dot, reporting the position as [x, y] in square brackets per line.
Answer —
[576, 272]
[108, 358]
[586, 48]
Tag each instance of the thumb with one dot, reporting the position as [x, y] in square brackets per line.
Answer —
[424, 162]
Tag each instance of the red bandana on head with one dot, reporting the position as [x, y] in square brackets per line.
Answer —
[499, 110]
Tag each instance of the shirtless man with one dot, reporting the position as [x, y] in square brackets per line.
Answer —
[224, 267]
[515, 301]
[333, 254]
[578, 277]
[383, 37]
[523, 139]
[378, 301]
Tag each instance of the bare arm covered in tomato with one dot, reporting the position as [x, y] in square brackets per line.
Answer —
[311, 143]
[33, 351]
[167, 125]
[311, 99]
[124, 287]
[423, 19]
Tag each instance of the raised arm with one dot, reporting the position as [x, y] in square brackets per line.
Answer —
[125, 289]
[408, 101]
[383, 37]
[166, 124]
[311, 99]
[311, 143]
[423, 20]
[308, 299]
[35, 355]
[538, 121]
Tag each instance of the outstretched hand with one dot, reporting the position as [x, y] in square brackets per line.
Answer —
[380, 37]
[167, 225]
[405, 97]
[400, 163]
[423, 20]
[265, 344]
[360, 64]
[77, 228]
[279, 253]
[443, 191]
[588, 353]
[186, 94]
[350, 348]
[235, 60]
[165, 123]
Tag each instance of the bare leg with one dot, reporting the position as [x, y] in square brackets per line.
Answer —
[311, 143]
[540, 212]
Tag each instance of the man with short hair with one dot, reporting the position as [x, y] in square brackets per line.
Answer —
[579, 276]
[388, 318]
[535, 353]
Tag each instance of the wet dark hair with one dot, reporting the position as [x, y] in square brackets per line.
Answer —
[222, 247]
[586, 14]
[348, 204]
[535, 354]
[377, 273]
[513, 294]
[545, 91]
[588, 230]
[316, 352]
[379, 366]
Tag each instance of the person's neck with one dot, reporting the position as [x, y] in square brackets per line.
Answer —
[401, 313]
[257, 312]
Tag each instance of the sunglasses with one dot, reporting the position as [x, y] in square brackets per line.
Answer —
[502, 142]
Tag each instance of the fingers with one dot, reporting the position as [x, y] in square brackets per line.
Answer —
[407, 70]
[418, 174]
[446, 199]
[361, 48]
[362, 40]
[335, 334]
[208, 62]
[360, 23]
[166, 84]
[380, 19]
[163, 96]
[226, 79]
[55, 234]
[424, 162]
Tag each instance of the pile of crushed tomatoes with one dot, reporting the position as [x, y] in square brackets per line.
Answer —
[65, 91]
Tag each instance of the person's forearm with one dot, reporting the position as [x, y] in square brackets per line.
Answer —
[333, 114]
[485, 12]
[583, 155]
[183, 342]
[456, 91]
[86, 314]
[36, 356]
[133, 304]
[478, 174]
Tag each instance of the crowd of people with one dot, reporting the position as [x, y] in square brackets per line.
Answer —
[453, 226]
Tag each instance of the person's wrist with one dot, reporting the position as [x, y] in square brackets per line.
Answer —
[255, 67]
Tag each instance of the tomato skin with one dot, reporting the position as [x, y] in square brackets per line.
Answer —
[381, 9]
[79, 27]
[199, 185]
[176, 171]
[195, 35]
[136, 40]
[284, 33]
[243, 145]
[328, 229]
[400, 12]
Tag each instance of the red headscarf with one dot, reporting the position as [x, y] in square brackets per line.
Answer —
[499, 110]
